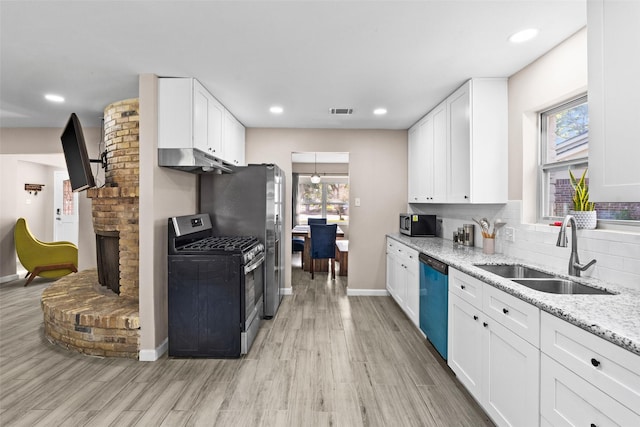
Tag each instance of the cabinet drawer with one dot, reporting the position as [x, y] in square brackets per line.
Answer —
[466, 287]
[568, 400]
[519, 316]
[410, 257]
[607, 366]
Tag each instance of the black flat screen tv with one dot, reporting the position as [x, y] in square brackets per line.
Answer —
[75, 154]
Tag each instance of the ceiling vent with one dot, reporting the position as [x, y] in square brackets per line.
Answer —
[341, 111]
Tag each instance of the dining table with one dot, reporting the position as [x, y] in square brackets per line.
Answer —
[304, 231]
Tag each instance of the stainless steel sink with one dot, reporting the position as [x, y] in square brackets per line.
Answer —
[514, 271]
[539, 280]
[560, 286]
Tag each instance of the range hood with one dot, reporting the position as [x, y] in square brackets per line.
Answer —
[190, 160]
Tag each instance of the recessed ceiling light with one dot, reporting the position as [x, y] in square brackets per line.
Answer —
[380, 111]
[524, 35]
[54, 98]
[276, 109]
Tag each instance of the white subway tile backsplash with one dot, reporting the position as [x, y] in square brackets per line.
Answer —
[618, 253]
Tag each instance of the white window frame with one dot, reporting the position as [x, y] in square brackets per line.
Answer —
[544, 167]
[333, 179]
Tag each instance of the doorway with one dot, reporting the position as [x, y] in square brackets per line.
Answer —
[65, 209]
[320, 189]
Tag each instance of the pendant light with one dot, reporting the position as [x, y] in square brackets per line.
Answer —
[315, 178]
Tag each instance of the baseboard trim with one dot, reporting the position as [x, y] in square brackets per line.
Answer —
[9, 278]
[367, 292]
[287, 291]
[153, 355]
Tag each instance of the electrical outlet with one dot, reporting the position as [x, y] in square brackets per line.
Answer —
[357, 201]
[510, 234]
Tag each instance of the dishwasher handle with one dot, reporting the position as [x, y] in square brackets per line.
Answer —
[437, 265]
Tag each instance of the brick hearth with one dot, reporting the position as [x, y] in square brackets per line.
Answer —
[79, 312]
[81, 315]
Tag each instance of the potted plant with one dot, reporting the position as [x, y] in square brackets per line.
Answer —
[583, 211]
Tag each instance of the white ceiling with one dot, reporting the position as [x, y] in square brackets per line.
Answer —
[306, 56]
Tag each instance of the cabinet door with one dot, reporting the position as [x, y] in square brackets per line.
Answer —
[614, 67]
[216, 122]
[611, 368]
[413, 183]
[234, 134]
[426, 165]
[391, 271]
[412, 282]
[420, 158]
[440, 154]
[200, 118]
[207, 121]
[465, 343]
[458, 107]
[568, 400]
[400, 278]
[510, 377]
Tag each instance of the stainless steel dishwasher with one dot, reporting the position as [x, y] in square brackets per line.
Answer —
[434, 298]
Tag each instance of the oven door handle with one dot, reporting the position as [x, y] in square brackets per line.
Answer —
[255, 263]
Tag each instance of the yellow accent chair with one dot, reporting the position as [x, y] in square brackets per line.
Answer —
[50, 260]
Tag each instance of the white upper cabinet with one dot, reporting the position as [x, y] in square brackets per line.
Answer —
[207, 121]
[614, 67]
[234, 139]
[459, 153]
[428, 157]
[459, 167]
[190, 117]
[478, 137]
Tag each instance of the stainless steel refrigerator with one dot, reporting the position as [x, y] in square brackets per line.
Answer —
[250, 202]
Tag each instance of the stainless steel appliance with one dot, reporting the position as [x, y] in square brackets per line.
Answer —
[418, 224]
[215, 295]
[467, 234]
[250, 202]
[434, 297]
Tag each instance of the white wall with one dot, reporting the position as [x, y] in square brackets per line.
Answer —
[20, 151]
[558, 75]
[163, 193]
[377, 176]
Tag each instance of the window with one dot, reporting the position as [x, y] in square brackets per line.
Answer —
[328, 199]
[564, 141]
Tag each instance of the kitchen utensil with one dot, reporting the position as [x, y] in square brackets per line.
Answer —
[477, 221]
[497, 224]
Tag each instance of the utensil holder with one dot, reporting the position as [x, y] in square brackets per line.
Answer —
[488, 245]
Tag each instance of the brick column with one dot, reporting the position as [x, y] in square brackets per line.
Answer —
[115, 206]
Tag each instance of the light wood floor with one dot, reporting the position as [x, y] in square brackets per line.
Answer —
[324, 360]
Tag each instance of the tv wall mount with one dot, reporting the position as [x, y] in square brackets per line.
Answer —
[102, 160]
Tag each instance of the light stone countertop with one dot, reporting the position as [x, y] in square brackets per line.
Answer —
[616, 318]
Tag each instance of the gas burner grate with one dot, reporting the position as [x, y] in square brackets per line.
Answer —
[227, 244]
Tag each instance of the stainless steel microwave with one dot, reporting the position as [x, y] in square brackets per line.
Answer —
[418, 224]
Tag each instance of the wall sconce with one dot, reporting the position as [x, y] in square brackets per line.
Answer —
[33, 188]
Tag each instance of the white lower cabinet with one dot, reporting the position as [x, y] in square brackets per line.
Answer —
[568, 400]
[586, 380]
[464, 345]
[403, 278]
[510, 377]
[529, 368]
[499, 368]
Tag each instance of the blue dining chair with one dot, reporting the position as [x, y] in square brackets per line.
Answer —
[312, 221]
[323, 245]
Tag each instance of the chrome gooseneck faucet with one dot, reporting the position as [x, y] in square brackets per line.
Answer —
[574, 263]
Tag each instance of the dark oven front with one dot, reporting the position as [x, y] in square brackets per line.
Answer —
[253, 285]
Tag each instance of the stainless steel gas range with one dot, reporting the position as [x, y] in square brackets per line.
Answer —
[216, 287]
